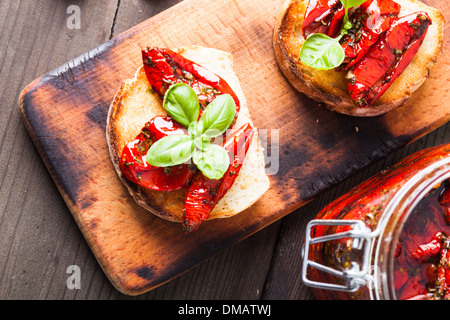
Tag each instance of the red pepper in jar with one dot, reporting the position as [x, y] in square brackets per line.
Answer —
[429, 250]
[323, 16]
[368, 202]
[164, 67]
[204, 193]
[431, 278]
[369, 21]
[424, 263]
[135, 167]
[387, 59]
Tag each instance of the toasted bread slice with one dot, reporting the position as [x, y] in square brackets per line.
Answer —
[330, 86]
[135, 104]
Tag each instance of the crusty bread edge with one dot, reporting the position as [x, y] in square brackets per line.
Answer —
[134, 190]
[334, 101]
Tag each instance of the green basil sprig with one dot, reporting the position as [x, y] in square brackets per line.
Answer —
[181, 103]
[322, 52]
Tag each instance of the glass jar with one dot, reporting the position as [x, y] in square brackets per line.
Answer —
[366, 244]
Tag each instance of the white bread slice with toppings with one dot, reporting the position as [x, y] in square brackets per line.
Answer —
[134, 104]
[330, 86]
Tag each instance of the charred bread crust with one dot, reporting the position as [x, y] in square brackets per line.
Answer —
[142, 196]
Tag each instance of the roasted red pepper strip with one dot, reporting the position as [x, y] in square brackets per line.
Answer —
[369, 21]
[203, 194]
[438, 275]
[135, 167]
[323, 16]
[429, 250]
[164, 67]
[387, 59]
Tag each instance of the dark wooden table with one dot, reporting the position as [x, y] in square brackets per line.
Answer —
[38, 236]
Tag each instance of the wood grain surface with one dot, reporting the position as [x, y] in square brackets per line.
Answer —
[264, 266]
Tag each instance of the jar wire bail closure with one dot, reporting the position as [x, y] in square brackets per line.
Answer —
[357, 275]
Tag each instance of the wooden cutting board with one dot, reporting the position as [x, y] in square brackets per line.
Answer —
[65, 112]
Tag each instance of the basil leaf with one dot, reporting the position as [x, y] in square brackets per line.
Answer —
[213, 162]
[321, 52]
[170, 151]
[181, 103]
[218, 116]
[352, 3]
